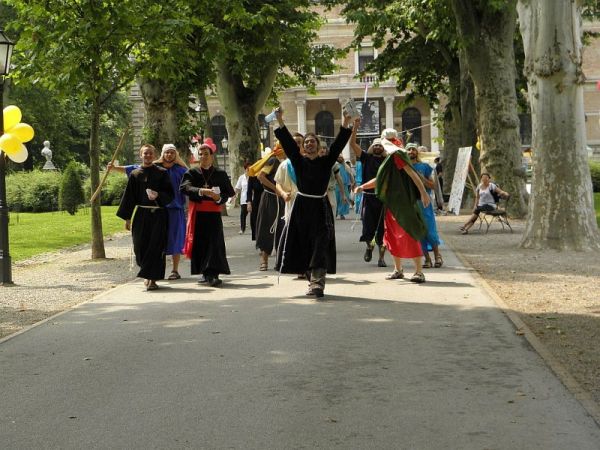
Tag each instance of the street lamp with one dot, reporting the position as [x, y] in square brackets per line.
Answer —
[264, 132]
[6, 47]
[224, 144]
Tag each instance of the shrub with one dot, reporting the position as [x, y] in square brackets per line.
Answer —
[595, 171]
[35, 191]
[113, 188]
[71, 189]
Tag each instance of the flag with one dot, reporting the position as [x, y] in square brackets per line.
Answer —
[367, 90]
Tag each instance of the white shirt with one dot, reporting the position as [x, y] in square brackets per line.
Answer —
[242, 186]
[485, 195]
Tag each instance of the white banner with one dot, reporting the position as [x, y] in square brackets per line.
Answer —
[460, 177]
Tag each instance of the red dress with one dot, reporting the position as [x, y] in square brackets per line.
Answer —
[398, 242]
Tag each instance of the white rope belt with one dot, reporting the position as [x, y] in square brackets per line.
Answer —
[149, 207]
[283, 241]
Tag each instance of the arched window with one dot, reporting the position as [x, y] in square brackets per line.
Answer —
[411, 120]
[324, 127]
[219, 131]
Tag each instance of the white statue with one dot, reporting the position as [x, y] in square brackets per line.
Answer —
[47, 153]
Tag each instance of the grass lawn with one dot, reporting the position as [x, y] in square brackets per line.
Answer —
[30, 234]
[597, 206]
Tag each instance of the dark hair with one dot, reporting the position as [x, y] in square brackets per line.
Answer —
[296, 134]
[315, 136]
[484, 173]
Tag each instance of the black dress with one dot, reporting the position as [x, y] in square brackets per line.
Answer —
[255, 191]
[208, 255]
[269, 222]
[308, 242]
[372, 211]
[149, 226]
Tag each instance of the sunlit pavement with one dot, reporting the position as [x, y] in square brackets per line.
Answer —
[256, 364]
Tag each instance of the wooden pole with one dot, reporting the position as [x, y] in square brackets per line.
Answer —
[119, 145]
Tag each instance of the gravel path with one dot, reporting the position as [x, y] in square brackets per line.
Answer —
[556, 294]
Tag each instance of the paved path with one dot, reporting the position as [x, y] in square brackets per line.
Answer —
[256, 365]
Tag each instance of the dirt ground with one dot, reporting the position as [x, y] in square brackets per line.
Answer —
[556, 294]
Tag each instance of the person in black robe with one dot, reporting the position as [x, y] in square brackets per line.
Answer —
[255, 191]
[207, 188]
[308, 240]
[149, 189]
[372, 210]
[269, 222]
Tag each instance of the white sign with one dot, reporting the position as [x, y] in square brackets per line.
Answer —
[460, 177]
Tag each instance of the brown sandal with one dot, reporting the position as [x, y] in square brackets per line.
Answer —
[438, 262]
[263, 266]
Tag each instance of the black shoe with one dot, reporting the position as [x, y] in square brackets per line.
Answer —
[316, 292]
[381, 263]
[368, 254]
[215, 282]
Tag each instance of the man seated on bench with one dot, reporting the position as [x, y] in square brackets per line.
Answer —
[486, 196]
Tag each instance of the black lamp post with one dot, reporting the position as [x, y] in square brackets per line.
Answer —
[264, 132]
[6, 47]
[224, 144]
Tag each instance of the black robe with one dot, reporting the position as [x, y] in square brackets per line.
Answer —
[372, 211]
[308, 240]
[269, 222]
[149, 225]
[209, 255]
[255, 191]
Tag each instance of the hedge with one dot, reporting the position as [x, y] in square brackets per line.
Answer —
[38, 190]
[595, 171]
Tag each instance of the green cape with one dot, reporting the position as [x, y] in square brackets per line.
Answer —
[399, 194]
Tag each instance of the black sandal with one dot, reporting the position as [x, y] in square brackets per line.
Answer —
[438, 262]
[174, 275]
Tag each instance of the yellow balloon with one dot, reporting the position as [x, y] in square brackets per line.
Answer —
[12, 116]
[478, 145]
[9, 143]
[19, 156]
[22, 131]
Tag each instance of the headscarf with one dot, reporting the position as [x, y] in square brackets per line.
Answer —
[178, 159]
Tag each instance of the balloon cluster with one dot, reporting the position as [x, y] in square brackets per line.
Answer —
[15, 133]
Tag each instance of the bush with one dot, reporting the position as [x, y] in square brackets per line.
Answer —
[35, 191]
[113, 188]
[595, 171]
[70, 195]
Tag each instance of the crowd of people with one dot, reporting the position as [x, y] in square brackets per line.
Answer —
[293, 196]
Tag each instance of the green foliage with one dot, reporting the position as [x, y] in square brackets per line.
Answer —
[595, 172]
[112, 190]
[35, 233]
[34, 191]
[70, 195]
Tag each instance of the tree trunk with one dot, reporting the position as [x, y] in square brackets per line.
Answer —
[97, 234]
[488, 37]
[561, 206]
[240, 107]
[459, 120]
[161, 112]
